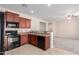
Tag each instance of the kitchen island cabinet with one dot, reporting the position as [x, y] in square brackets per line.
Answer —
[42, 42]
[47, 42]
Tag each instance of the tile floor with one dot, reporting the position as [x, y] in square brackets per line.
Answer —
[32, 50]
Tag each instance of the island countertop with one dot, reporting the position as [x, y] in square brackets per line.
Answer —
[28, 33]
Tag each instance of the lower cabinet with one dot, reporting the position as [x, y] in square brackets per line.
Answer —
[47, 42]
[32, 39]
[42, 42]
[23, 39]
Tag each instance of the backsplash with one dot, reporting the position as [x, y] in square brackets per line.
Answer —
[18, 29]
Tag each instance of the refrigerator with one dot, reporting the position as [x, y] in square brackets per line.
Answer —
[2, 52]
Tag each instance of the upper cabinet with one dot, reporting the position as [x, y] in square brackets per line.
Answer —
[11, 17]
[22, 22]
[25, 23]
[28, 23]
[16, 18]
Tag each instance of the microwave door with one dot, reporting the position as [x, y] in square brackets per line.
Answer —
[12, 25]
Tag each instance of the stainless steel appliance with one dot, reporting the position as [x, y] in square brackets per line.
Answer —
[41, 39]
[1, 33]
[13, 39]
[12, 24]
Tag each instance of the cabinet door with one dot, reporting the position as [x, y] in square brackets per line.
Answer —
[22, 23]
[47, 42]
[9, 16]
[23, 39]
[33, 39]
[16, 17]
[28, 23]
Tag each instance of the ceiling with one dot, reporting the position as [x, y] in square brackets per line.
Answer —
[43, 11]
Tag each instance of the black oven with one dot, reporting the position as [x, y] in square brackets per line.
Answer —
[12, 24]
[13, 39]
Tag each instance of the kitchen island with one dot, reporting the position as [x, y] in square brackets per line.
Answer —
[40, 40]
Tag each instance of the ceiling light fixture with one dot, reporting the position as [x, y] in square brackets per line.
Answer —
[49, 4]
[24, 5]
[31, 11]
[69, 17]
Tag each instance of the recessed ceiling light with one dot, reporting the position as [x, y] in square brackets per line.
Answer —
[49, 4]
[69, 17]
[31, 11]
[24, 5]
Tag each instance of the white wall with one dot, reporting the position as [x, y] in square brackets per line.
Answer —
[67, 28]
[66, 34]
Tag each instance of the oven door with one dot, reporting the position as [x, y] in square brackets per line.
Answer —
[13, 42]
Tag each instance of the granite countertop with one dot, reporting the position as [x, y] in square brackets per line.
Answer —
[23, 33]
[39, 34]
[26, 33]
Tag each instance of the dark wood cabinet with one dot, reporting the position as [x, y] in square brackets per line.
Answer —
[47, 42]
[42, 42]
[16, 18]
[11, 17]
[28, 23]
[23, 39]
[22, 22]
[32, 39]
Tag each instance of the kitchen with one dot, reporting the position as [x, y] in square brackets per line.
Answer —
[31, 29]
[25, 37]
[20, 30]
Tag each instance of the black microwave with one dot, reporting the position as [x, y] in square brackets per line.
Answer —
[12, 24]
